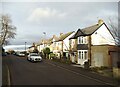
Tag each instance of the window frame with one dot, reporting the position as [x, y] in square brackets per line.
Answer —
[83, 54]
[82, 40]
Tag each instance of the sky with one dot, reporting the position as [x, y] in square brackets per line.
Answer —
[34, 18]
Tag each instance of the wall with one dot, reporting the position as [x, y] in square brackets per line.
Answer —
[66, 45]
[41, 47]
[102, 36]
[101, 54]
[73, 50]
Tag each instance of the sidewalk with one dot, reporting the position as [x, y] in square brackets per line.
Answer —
[87, 73]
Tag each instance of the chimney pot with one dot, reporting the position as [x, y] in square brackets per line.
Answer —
[54, 36]
[100, 21]
[61, 34]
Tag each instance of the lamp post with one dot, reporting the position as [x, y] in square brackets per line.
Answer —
[25, 48]
[44, 38]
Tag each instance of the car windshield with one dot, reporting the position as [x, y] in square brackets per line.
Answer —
[34, 54]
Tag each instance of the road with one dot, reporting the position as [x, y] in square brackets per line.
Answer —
[23, 72]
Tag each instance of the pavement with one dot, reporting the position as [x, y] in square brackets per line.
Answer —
[90, 74]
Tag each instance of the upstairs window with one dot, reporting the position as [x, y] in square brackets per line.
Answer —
[82, 40]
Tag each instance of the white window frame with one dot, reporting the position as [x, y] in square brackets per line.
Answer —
[81, 54]
[82, 40]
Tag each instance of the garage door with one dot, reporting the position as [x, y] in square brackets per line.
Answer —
[98, 59]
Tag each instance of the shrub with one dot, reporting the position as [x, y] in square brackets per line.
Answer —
[52, 55]
[46, 52]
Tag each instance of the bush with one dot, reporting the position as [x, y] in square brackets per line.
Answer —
[86, 65]
[95, 69]
[46, 52]
[52, 55]
[103, 68]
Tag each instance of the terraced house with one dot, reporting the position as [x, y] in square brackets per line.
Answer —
[73, 49]
[47, 43]
[61, 45]
[32, 48]
[92, 45]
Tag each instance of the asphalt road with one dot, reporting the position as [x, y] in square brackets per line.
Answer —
[23, 72]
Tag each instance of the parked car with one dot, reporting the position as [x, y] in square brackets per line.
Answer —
[21, 54]
[4, 54]
[34, 57]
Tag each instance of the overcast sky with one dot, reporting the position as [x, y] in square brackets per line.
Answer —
[34, 18]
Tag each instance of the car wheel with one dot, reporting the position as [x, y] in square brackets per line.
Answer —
[31, 60]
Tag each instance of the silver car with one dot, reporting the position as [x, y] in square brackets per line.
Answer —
[34, 57]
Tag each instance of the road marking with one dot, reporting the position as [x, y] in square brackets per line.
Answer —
[80, 74]
[9, 83]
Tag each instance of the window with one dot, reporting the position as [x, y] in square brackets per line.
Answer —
[83, 54]
[79, 40]
[79, 54]
[82, 40]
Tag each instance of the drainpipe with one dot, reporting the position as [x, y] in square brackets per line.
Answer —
[89, 49]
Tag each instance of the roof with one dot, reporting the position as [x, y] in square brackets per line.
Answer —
[87, 31]
[90, 30]
[63, 36]
[31, 47]
[48, 41]
[78, 33]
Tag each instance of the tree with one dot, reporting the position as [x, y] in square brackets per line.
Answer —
[46, 52]
[7, 30]
[114, 28]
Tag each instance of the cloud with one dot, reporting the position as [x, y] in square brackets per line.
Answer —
[60, 0]
[42, 14]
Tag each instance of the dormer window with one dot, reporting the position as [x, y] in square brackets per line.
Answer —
[82, 40]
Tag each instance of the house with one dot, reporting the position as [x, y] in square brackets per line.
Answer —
[73, 49]
[93, 43]
[47, 43]
[51, 41]
[32, 48]
[61, 45]
[42, 45]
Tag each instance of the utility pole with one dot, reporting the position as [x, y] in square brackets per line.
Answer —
[44, 38]
[25, 48]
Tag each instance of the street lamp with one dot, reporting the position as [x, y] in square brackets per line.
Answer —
[25, 47]
[44, 37]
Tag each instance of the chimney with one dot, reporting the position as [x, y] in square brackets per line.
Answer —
[100, 21]
[54, 36]
[33, 44]
[61, 34]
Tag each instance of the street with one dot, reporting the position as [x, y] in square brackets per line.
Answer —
[23, 72]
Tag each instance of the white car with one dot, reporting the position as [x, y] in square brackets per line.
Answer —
[21, 54]
[34, 57]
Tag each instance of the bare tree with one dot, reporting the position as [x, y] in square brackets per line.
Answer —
[7, 30]
[114, 27]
